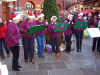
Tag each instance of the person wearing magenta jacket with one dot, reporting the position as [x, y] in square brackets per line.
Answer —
[28, 39]
[40, 36]
[79, 32]
[54, 36]
[12, 40]
[68, 33]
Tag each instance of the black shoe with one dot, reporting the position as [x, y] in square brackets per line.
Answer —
[41, 56]
[16, 69]
[78, 50]
[19, 66]
[2, 57]
[93, 50]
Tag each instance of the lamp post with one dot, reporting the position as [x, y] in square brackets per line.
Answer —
[17, 4]
[63, 5]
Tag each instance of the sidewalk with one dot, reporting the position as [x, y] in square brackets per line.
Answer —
[84, 63]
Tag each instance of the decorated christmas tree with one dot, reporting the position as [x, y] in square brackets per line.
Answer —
[50, 9]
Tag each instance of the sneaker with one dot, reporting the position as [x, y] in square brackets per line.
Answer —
[2, 57]
[26, 60]
[69, 52]
[57, 54]
[53, 54]
[33, 61]
[8, 55]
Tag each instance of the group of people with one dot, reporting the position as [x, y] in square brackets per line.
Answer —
[10, 36]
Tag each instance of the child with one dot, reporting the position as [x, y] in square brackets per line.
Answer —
[54, 36]
[79, 32]
[28, 39]
[3, 29]
[68, 34]
[12, 40]
[40, 36]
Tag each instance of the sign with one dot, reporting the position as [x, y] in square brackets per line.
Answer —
[36, 29]
[93, 32]
[81, 24]
[61, 27]
[19, 12]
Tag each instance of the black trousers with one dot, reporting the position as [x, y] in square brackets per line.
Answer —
[15, 53]
[68, 43]
[79, 37]
[55, 45]
[2, 44]
[96, 44]
[28, 45]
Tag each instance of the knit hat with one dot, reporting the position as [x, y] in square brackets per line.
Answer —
[53, 18]
[85, 17]
[15, 17]
[40, 15]
[81, 14]
[70, 16]
[31, 15]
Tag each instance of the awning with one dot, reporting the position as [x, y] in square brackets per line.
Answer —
[9, 0]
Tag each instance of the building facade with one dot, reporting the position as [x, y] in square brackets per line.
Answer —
[7, 7]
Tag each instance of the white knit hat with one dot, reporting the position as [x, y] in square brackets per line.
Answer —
[81, 14]
[53, 18]
[31, 15]
[70, 16]
[40, 15]
[15, 17]
[85, 17]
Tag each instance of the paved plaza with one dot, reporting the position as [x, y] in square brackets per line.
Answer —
[84, 63]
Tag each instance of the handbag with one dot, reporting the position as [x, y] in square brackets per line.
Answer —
[86, 33]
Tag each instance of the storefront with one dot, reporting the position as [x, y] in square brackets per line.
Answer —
[8, 7]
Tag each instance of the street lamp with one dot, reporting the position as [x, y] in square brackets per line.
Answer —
[17, 5]
[63, 4]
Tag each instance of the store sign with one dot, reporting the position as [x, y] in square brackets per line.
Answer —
[19, 12]
[9, 0]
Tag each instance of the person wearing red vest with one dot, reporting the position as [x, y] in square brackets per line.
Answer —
[3, 29]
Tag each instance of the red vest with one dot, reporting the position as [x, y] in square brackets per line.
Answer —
[3, 31]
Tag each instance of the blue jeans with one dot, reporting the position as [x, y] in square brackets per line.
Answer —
[2, 43]
[41, 44]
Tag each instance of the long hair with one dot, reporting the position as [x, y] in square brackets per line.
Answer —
[1, 24]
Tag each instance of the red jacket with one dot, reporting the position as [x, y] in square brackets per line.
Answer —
[3, 31]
